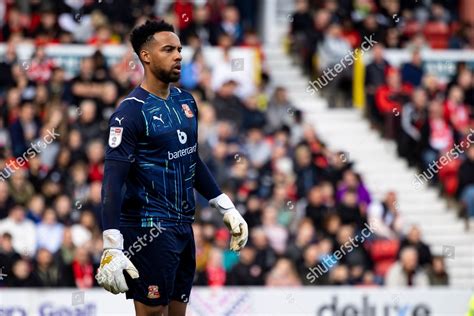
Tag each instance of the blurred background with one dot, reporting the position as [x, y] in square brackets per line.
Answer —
[320, 118]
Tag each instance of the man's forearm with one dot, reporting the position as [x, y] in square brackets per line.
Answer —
[204, 182]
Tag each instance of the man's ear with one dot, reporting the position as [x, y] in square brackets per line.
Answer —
[145, 56]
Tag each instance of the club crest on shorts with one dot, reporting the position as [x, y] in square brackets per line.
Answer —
[115, 136]
[153, 291]
[187, 110]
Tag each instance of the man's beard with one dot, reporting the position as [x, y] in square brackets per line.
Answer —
[166, 76]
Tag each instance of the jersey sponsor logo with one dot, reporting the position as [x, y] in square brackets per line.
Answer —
[153, 292]
[182, 137]
[115, 136]
[182, 152]
[187, 111]
[158, 118]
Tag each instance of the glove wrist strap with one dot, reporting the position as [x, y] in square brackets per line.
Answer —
[113, 239]
[222, 203]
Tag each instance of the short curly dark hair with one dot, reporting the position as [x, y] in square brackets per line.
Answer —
[143, 33]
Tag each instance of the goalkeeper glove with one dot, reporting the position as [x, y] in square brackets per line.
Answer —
[233, 220]
[113, 262]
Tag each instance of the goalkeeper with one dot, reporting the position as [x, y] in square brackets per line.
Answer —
[152, 153]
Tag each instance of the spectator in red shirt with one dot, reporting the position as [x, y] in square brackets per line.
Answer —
[437, 136]
[456, 112]
[81, 269]
[41, 67]
[389, 99]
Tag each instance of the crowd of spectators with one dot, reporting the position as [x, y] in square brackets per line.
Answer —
[323, 31]
[301, 200]
[424, 114]
[430, 120]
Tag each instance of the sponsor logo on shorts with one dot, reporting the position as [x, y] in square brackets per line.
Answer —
[153, 292]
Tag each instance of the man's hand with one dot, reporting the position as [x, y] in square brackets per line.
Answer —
[233, 220]
[113, 262]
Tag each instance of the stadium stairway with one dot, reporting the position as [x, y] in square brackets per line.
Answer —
[381, 169]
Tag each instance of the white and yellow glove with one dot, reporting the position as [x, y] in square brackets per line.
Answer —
[113, 262]
[233, 220]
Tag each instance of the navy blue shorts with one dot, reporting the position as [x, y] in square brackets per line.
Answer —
[166, 261]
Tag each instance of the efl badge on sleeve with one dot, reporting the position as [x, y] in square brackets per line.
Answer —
[153, 291]
[115, 136]
[187, 111]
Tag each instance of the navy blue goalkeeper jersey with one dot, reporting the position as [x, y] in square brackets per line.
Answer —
[159, 138]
